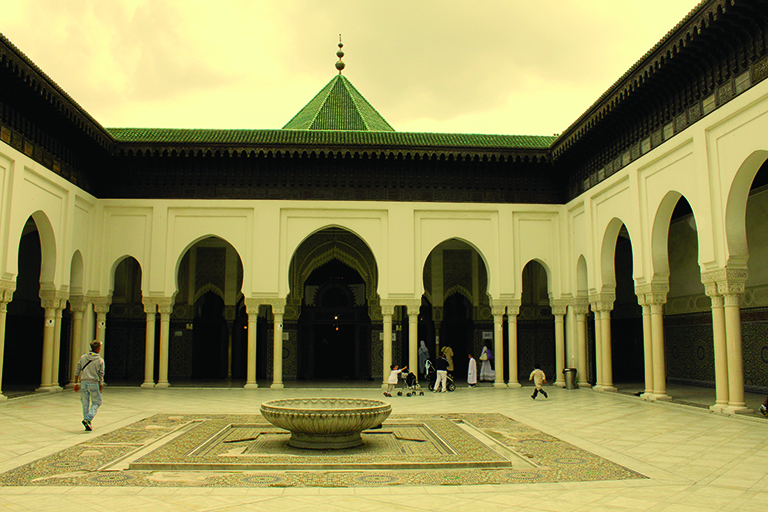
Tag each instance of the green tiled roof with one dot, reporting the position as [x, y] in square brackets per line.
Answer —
[327, 138]
[339, 106]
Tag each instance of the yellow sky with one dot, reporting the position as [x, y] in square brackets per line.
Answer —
[493, 66]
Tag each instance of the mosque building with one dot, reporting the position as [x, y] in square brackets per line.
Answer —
[633, 247]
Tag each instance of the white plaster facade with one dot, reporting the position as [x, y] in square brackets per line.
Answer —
[712, 164]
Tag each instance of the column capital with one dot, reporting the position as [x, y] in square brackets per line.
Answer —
[150, 305]
[559, 306]
[724, 281]
[512, 306]
[277, 303]
[6, 290]
[413, 306]
[101, 304]
[252, 305]
[77, 303]
[48, 299]
[602, 301]
[579, 305]
[652, 293]
[165, 305]
[61, 298]
[388, 306]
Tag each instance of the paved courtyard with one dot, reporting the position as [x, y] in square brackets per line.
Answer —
[658, 456]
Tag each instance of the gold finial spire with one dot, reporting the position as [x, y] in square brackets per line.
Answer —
[340, 65]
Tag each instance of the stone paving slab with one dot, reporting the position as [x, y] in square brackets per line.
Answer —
[167, 450]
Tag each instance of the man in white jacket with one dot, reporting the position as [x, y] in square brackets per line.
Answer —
[89, 381]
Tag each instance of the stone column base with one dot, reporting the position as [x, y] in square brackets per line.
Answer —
[148, 385]
[559, 384]
[47, 389]
[277, 385]
[718, 408]
[251, 385]
[737, 409]
[162, 385]
[514, 385]
[659, 397]
[499, 385]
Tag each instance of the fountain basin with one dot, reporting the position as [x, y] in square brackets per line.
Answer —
[325, 423]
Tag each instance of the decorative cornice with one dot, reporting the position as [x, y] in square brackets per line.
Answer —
[652, 293]
[101, 304]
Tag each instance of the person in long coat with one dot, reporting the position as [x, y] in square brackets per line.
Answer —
[472, 372]
[423, 357]
[486, 370]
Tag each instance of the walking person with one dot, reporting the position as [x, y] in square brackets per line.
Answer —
[472, 372]
[487, 372]
[441, 367]
[89, 382]
[538, 377]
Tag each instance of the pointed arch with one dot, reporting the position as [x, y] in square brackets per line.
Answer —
[736, 209]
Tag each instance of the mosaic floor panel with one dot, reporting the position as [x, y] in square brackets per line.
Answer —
[246, 451]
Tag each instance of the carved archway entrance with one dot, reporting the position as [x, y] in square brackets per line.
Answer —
[333, 291]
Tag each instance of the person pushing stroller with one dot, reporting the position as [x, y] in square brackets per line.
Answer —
[441, 367]
[394, 374]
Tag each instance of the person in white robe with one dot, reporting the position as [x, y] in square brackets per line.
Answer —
[486, 370]
[472, 372]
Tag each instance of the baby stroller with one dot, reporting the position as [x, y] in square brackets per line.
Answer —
[431, 372]
[410, 384]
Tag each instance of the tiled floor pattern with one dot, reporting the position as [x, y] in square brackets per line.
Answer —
[694, 460]
[218, 451]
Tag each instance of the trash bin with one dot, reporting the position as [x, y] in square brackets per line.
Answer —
[570, 378]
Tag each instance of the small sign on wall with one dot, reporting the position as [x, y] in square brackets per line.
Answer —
[487, 335]
[102, 324]
[49, 322]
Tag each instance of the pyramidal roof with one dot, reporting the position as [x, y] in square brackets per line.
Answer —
[339, 106]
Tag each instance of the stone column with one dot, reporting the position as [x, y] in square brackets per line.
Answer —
[6, 295]
[647, 343]
[150, 309]
[61, 303]
[598, 347]
[252, 309]
[101, 308]
[580, 309]
[731, 286]
[719, 343]
[513, 309]
[656, 297]
[48, 301]
[498, 344]
[413, 334]
[77, 306]
[387, 310]
[278, 310]
[559, 307]
[603, 305]
[165, 308]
